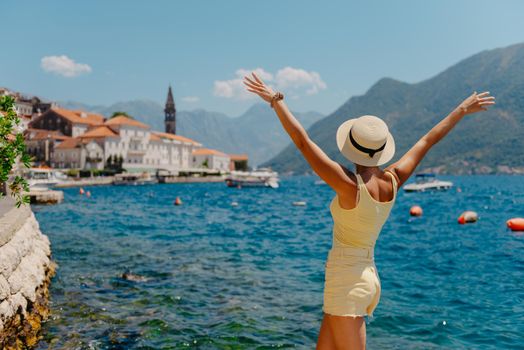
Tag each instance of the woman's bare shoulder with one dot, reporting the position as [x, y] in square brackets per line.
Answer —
[350, 174]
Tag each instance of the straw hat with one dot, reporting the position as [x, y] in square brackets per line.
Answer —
[366, 141]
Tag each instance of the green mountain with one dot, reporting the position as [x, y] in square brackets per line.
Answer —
[256, 132]
[486, 142]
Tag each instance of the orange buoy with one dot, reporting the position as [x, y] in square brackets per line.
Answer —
[178, 201]
[415, 211]
[88, 194]
[467, 217]
[516, 224]
[81, 190]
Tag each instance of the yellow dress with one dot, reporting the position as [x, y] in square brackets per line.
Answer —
[352, 285]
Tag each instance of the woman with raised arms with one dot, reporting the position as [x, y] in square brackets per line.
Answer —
[361, 206]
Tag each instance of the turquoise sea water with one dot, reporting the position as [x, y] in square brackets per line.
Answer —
[251, 276]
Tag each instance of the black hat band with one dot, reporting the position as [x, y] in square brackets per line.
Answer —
[371, 152]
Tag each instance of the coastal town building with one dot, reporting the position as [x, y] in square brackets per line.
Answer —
[170, 113]
[73, 139]
[23, 107]
[54, 126]
[76, 153]
[40, 106]
[207, 158]
[175, 151]
[27, 108]
[40, 144]
[68, 122]
[238, 162]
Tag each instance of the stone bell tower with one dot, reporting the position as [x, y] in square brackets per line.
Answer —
[170, 113]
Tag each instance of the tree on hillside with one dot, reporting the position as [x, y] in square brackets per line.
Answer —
[117, 113]
[12, 148]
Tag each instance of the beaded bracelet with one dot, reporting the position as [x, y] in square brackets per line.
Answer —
[276, 97]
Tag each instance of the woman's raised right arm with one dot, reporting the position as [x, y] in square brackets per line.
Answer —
[334, 174]
[404, 167]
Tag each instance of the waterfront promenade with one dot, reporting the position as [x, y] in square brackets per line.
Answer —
[108, 180]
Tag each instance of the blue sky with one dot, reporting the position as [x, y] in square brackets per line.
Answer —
[318, 53]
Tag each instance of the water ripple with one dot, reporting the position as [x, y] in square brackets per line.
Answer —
[215, 276]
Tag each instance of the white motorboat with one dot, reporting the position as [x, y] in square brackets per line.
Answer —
[40, 179]
[427, 182]
[133, 179]
[262, 177]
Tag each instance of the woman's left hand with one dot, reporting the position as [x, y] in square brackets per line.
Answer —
[257, 86]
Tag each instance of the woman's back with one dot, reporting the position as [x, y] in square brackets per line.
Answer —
[361, 225]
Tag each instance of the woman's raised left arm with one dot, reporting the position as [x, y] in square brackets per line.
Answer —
[404, 167]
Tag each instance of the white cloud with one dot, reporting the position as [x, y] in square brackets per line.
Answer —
[234, 88]
[295, 81]
[298, 79]
[64, 66]
[191, 99]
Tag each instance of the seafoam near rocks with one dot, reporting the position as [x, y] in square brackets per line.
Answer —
[25, 272]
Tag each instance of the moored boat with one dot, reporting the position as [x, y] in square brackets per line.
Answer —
[40, 179]
[133, 179]
[257, 178]
[427, 182]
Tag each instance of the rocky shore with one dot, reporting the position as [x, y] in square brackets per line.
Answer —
[25, 273]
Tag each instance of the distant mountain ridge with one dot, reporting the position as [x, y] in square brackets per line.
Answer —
[489, 142]
[256, 132]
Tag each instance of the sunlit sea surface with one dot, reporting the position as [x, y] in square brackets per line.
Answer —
[217, 276]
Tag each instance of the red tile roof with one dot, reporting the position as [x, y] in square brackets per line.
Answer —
[165, 135]
[42, 134]
[208, 151]
[238, 157]
[99, 131]
[154, 137]
[79, 117]
[71, 143]
[123, 120]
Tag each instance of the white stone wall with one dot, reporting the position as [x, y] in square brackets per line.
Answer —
[214, 162]
[23, 108]
[24, 258]
[72, 158]
[94, 156]
[220, 163]
[78, 129]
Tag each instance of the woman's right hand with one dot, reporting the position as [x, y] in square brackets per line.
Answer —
[476, 103]
[257, 86]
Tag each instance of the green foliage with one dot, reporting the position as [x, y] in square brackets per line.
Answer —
[108, 172]
[12, 148]
[205, 164]
[72, 173]
[117, 113]
[115, 162]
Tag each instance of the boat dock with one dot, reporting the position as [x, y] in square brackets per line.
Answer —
[96, 181]
[190, 179]
[46, 196]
